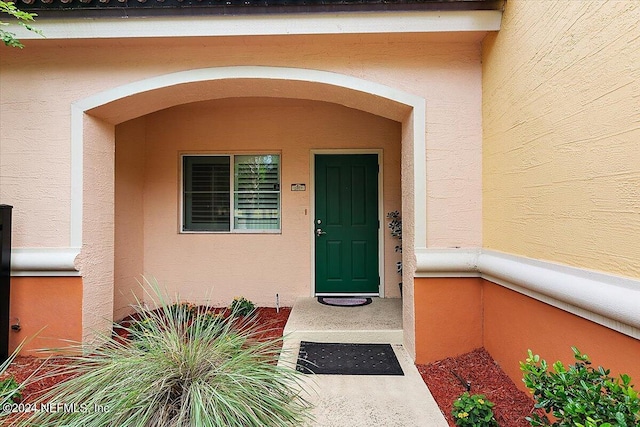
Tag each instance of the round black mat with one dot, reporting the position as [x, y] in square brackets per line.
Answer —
[344, 301]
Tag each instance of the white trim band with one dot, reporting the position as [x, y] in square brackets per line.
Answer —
[265, 25]
[437, 262]
[44, 261]
[609, 300]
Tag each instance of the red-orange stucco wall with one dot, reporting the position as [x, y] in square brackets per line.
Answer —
[52, 303]
[456, 315]
[448, 313]
[514, 323]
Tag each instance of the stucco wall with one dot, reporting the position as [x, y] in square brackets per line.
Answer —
[514, 323]
[561, 125]
[34, 154]
[35, 110]
[36, 305]
[87, 83]
[449, 316]
[457, 315]
[217, 267]
[129, 218]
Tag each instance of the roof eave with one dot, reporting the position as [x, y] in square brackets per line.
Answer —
[262, 25]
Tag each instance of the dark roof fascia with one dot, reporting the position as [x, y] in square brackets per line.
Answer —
[143, 8]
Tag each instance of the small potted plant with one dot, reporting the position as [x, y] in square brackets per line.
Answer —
[395, 225]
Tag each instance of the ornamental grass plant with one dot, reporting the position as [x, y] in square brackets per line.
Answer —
[177, 369]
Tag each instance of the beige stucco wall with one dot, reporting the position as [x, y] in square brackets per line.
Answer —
[35, 110]
[561, 125]
[34, 158]
[129, 215]
[442, 69]
[216, 267]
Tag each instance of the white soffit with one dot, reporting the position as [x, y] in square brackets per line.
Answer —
[266, 25]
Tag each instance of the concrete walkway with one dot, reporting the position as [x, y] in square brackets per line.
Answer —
[360, 400]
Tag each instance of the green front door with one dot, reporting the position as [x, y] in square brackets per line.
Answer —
[346, 224]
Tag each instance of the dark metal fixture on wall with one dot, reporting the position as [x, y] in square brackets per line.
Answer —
[5, 278]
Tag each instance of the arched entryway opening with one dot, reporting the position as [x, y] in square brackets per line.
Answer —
[95, 120]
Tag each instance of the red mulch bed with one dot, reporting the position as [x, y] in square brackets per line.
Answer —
[274, 322]
[512, 405]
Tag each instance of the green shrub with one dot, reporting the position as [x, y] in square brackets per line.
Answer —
[473, 410]
[580, 395]
[207, 319]
[140, 327]
[185, 309]
[10, 390]
[240, 306]
[184, 370]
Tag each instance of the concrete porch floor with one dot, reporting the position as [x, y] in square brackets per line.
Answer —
[378, 322]
[360, 400]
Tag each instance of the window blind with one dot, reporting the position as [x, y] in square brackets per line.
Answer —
[257, 192]
[206, 193]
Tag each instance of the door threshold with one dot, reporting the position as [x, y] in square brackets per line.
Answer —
[351, 295]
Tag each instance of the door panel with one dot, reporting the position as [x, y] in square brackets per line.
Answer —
[346, 204]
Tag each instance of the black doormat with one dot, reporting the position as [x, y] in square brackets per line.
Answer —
[347, 359]
[344, 301]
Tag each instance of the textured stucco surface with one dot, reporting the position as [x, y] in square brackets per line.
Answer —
[456, 315]
[36, 305]
[561, 124]
[513, 323]
[442, 69]
[95, 261]
[445, 70]
[216, 267]
[129, 215]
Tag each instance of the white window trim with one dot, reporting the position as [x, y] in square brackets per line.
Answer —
[231, 155]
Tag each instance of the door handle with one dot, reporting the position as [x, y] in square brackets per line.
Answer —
[319, 232]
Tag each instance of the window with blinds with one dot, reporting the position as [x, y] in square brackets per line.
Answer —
[210, 181]
[256, 192]
[207, 203]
